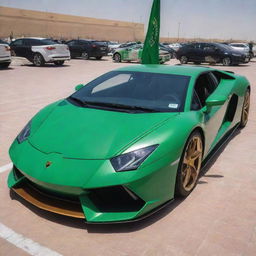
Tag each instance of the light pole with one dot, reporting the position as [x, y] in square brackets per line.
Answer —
[179, 31]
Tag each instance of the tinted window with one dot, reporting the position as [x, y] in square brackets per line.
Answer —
[161, 92]
[204, 87]
[45, 42]
[18, 42]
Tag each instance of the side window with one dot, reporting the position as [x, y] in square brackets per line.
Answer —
[215, 79]
[195, 103]
[204, 87]
[18, 42]
[71, 43]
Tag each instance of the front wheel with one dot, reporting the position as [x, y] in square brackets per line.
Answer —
[59, 62]
[84, 56]
[117, 57]
[38, 60]
[245, 109]
[190, 165]
[226, 61]
[183, 60]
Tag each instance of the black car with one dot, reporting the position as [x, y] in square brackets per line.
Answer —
[210, 53]
[87, 49]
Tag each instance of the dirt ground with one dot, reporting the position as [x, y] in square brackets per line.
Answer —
[218, 218]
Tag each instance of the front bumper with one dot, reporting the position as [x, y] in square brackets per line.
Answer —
[5, 59]
[67, 187]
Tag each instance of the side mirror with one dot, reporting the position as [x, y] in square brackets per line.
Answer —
[79, 86]
[214, 100]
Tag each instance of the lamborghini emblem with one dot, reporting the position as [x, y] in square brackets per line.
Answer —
[47, 164]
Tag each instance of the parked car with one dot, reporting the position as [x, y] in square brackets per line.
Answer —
[134, 53]
[5, 55]
[243, 47]
[175, 46]
[3, 42]
[87, 49]
[40, 50]
[127, 143]
[210, 53]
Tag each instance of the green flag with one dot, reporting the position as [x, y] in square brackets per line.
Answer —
[150, 54]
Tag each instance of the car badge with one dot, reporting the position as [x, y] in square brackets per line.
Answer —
[47, 164]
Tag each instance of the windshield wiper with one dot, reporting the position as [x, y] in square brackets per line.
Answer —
[120, 106]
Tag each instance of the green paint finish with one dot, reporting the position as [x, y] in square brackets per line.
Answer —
[79, 142]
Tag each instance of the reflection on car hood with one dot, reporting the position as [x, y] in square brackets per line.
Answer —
[88, 133]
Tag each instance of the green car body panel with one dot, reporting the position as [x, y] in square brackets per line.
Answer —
[134, 53]
[80, 151]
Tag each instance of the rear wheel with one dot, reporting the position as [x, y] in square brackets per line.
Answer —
[59, 62]
[84, 55]
[245, 110]
[117, 57]
[226, 61]
[183, 60]
[190, 165]
[38, 60]
[98, 57]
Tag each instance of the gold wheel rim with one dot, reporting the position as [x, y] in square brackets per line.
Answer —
[246, 108]
[192, 162]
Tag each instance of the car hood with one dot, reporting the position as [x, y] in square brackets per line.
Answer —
[87, 133]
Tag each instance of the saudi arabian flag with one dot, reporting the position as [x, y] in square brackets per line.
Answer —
[150, 54]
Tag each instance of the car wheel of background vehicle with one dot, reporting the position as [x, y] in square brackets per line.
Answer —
[183, 60]
[117, 57]
[59, 62]
[98, 57]
[197, 62]
[226, 61]
[190, 165]
[13, 53]
[38, 60]
[245, 109]
[84, 55]
[5, 65]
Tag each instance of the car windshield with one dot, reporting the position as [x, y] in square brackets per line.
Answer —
[135, 91]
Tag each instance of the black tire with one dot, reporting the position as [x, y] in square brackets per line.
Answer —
[98, 57]
[180, 189]
[5, 64]
[183, 60]
[117, 57]
[245, 109]
[226, 61]
[38, 60]
[59, 62]
[85, 55]
[197, 62]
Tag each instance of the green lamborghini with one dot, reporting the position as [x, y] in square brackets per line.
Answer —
[127, 143]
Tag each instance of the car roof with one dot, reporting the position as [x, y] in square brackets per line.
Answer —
[38, 38]
[164, 69]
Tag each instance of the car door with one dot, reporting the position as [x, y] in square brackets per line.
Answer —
[210, 53]
[134, 54]
[212, 120]
[17, 47]
[194, 52]
[73, 48]
[27, 48]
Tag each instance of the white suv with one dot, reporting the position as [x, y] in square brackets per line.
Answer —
[40, 50]
[5, 55]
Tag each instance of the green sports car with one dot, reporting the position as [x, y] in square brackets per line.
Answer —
[127, 143]
[134, 53]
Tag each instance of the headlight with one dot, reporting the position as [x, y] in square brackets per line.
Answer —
[132, 160]
[25, 132]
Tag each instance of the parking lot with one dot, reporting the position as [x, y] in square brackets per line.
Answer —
[218, 218]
